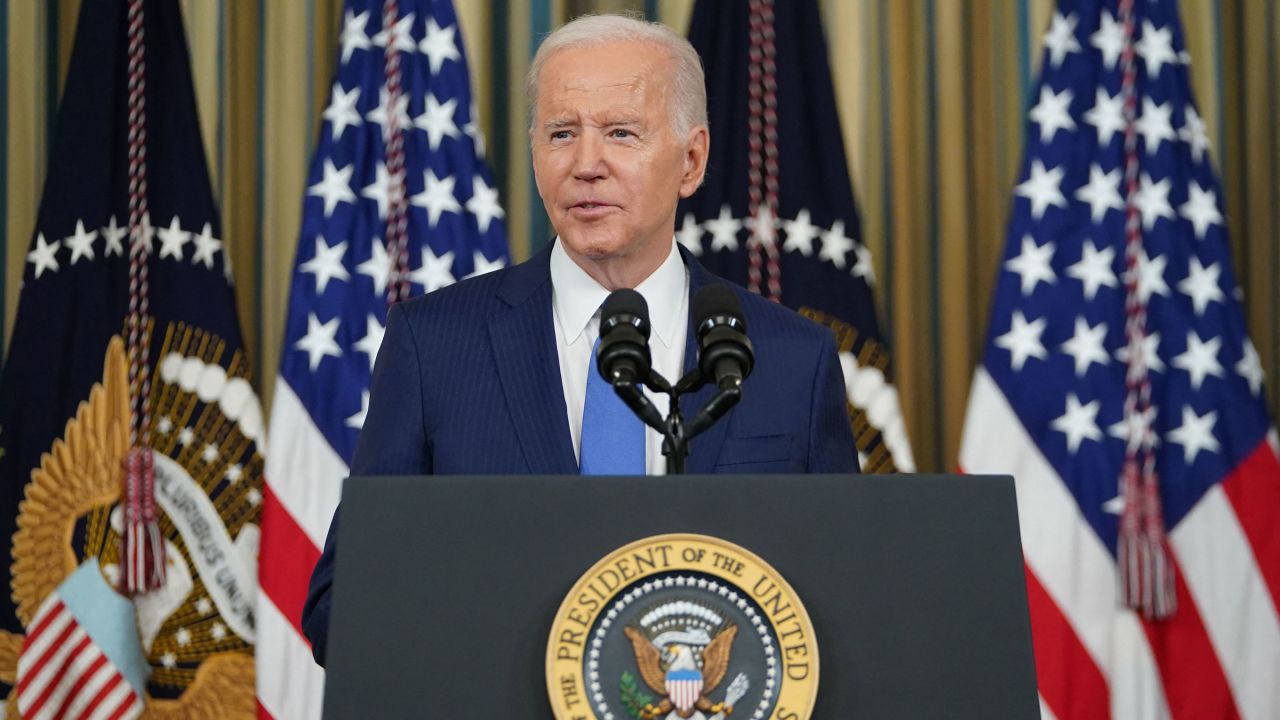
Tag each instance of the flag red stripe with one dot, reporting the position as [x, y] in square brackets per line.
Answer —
[1070, 681]
[101, 695]
[43, 623]
[262, 712]
[1195, 686]
[284, 568]
[81, 681]
[1254, 491]
[57, 677]
[127, 704]
[46, 656]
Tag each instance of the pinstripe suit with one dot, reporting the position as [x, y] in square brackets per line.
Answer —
[468, 382]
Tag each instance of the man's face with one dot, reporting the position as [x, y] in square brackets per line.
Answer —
[607, 161]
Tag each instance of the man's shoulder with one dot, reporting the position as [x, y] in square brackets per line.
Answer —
[768, 319]
[474, 298]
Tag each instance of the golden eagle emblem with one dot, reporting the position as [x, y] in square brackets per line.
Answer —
[670, 667]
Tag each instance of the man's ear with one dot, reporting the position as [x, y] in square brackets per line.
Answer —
[697, 146]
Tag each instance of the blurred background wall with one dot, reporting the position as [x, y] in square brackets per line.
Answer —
[932, 94]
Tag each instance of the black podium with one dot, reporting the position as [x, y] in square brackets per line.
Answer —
[446, 587]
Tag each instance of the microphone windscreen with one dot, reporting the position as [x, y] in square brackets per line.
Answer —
[717, 300]
[625, 300]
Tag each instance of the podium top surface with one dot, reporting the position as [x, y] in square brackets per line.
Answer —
[447, 586]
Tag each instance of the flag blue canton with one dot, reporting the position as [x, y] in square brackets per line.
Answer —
[338, 299]
[1056, 343]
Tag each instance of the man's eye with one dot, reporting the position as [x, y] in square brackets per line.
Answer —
[560, 135]
[620, 133]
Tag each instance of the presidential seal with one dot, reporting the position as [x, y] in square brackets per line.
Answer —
[682, 627]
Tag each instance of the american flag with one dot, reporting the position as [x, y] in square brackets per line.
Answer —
[1121, 390]
[776, 213]
[399, 202]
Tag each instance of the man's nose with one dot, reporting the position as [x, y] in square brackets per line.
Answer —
[589, 162]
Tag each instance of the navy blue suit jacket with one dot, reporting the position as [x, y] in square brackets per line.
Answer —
[468, 382]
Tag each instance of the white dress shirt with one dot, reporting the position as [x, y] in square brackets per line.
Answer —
[576, 298]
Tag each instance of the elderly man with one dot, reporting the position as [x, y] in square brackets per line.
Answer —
[496, 374]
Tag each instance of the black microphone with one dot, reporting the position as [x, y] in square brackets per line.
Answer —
[623, 357]
[725, 353]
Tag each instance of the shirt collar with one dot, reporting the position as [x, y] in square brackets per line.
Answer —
[576, 296]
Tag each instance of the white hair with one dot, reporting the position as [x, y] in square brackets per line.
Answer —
[688, 84]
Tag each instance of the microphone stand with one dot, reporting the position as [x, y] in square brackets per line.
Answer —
[675, 431]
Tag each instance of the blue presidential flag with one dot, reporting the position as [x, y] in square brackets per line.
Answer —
[126, 345]
[776, 213]
[399, 202]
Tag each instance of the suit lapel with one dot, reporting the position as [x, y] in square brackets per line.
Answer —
[705, 448]
[524, 347]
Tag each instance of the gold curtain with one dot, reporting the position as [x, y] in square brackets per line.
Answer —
[932, 95]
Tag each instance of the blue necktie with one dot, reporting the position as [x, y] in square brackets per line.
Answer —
[612, 435]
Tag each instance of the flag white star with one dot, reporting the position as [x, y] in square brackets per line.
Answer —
[1109, 39]
[435, 272]
[210, 453]
[724, 230]
[1078, 423]
[1042, 188]
[484, 203]
[1061, 38]
[372, 339]
[341, 112]
[401, 35]
[186, 436]
[334, 187]
[377, 267]
[1149, 351]
[173, 239]
[1250, 367]
[354, 36]
[164, 426]
[1201, 208]
[800, 234]
[1023, 340]
[44, 255]
[182, 637]
[1102, 192]
[1106, 115]
[112, 235]
[1201, 285]
[1033, 264]
[437, 120]
[380, 190]
[1152, 200]
[169, 660]
[234, 473]
[206, 245]
[438, 45]
[836, 245]
[1193, 133]
[1155, 48]
[1052, 113]
[436, 196]
[1086, 346]
[763, 225]
[81, 243]
[203, 606]
[1200, 359]
[1135, 429]
[862, 266]
[380, 114]
[218, 631]
[690, 235]
[1094, 269]
[1195, 435]
[1155, 125]
[319, 340]
[483, 265]
[357, 421]
[1151, 276]
[326, 263]
[143, 237]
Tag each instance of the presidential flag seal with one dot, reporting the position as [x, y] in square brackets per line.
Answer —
[682, 627]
